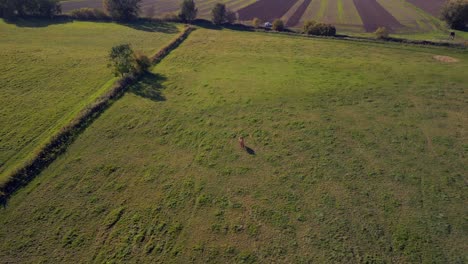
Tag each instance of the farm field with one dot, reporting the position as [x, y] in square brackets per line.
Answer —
[401, 16]
[162, 7]
[357, 154]
[50, 72]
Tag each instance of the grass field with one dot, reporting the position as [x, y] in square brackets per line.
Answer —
[50, 72]
[359, 156]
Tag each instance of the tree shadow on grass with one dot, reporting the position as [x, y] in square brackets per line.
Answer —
[152, 26]
[34, 22]
[149, 87]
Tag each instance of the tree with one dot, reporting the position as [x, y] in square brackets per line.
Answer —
[188, 11]
[256, 22]
[278, 25]
[122, 10]
[41, 8]
[455, 13]
[231, 17]
[382, 33]
[218, 14]
[122, 60]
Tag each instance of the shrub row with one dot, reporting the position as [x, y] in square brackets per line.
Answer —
[89, 14]
[173, 45]
[319, 29]
[60, 141]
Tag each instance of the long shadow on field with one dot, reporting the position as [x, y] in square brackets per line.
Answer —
[34, 22]
[150, 87]
[250, 151]
[153, 26]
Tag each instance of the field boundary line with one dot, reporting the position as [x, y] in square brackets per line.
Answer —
[59, 142]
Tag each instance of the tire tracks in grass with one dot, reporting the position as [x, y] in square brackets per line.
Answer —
[59, 142]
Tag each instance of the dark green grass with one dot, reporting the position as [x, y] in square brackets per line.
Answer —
[360, 157]
[49, 72]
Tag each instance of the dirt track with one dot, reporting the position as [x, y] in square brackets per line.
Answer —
[433, 7]
[266, 10]
[373, 15]
[296, 17]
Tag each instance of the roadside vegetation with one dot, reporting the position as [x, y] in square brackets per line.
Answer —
[355, 154]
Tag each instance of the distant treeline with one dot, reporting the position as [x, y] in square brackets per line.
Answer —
[40, 8]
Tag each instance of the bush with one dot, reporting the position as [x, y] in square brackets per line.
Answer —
[220, 14]
[278, 25]
[143, 63]
[188, 11]
[40, 8]
[256, 22]
[455, 13]
[89, 14]
[122, 60]
[319, 29]
[122, 10]
[125, 62]
[382, 33]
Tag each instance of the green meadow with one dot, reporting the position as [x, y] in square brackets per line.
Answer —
[49, 72]
[356, 154]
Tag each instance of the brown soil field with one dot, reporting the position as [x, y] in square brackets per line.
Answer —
[296, 17]
[373, 15]
[433, 7]
[266, 10]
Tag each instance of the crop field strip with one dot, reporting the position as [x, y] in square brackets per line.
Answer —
[295, 17]
[347, 15]
[373, 15]
[162, 7]
[266, 10]
[409, 16]
[431, 6]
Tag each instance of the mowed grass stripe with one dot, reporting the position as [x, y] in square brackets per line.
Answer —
[311, 12]
[331, 12]
[341, 132]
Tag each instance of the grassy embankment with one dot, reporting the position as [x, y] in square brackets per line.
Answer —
[49, 72]
[360, 155]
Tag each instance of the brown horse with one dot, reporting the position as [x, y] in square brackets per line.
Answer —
[242, 142]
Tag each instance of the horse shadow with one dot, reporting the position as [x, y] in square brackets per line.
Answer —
[250, 151]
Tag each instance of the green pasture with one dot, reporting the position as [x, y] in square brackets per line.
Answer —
[49, 72]
[356, 154]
